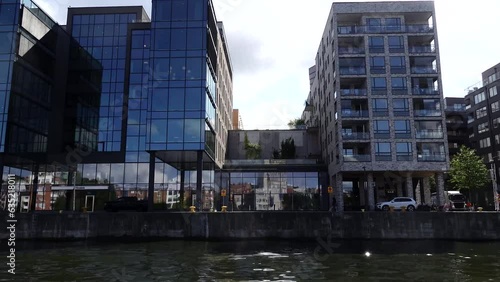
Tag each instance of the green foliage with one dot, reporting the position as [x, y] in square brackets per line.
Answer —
[288, 148]
[468, 170]
[296, 122]
[252, 150]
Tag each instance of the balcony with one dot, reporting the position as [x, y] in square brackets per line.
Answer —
[403, 134]
[398, 69]
[357, 158]
[351, 50]
[383, 158]
[419, 28]
[429, 134]
[399, 91]
[354, 113]
[355, 135]
[431, 157]
[423, 70]
[381, 112]
[382, 134]
[351, 29]
[404, 157]
[379, 91]
[422, 49]
[357, 70]
[425, 91]
[401, 112]
[353, 92]
[427, 113]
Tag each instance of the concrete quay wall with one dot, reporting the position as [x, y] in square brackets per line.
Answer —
[255, 225]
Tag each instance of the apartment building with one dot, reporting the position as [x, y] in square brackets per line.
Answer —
[483, 118]
[376, 96]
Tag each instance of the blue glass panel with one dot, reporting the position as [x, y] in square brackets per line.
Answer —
[194, 98]
[176, 99]
[178, 39]
[195, 68]
[175, 130]
[195, 37]
[192, 130]
[162, 11]
[179, 10]
[158, 131]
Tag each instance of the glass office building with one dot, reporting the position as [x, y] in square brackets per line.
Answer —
[141, 107]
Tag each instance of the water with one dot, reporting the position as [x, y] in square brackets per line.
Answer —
[259, 261]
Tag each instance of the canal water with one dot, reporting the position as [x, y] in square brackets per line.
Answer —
[259, 261]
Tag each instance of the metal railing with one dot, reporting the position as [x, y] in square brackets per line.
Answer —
[423, 70]
[351, 50]
[355, 135]
[353, 92]
[429, 134]
[411, 28]
[361, 70]
[422, 49]
[425, 91]
[354, 113]
[357, 158]
[431, 157]
[427, 113]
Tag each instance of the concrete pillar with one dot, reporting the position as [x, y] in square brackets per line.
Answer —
[199, 180]
[440, 188]
[418, 193]
[151, 188]
[427, 190]
[339, 193]
[409, 185]
[371, 197]
[182, 188]
[399, 187]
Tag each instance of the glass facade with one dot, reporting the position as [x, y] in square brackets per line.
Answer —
[182, 84]
[9, 20]
[105, 37]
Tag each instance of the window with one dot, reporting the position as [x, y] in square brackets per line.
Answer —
[483, 127]
[401, 107]
[493, 91]
[402, 129]
[399, 85]
[393, 24]
[379, 86]
[376, 44]
[481, 112]
[377, 65]
[495, 107]
[374, 24]
[404, 151]
[492, 78]
[496, 122]
[484, 143]
[380, 107]
[396, 44]
[497, 139]
[398, 64]
[479, 98]
[383, 151]
[381, 129]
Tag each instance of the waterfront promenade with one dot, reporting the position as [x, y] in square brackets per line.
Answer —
[256, 225]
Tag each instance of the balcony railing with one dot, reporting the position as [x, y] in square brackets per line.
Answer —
[429, 134]
[380, 112]
[361, 70]
[355, 135]
[398, 69]
[351, 50]
[402, 112]
[425, 91]
[357, 158]
[383, 158]
[354, 113]
[438, 157]
[399, 91]
[382, 134]
[422, 49]
[427, 113]
[353, 92]
[423, 70]
[404, 157]
[455, 109]
[358, 29]
[403, 134]
[419, 28]
[379, 91]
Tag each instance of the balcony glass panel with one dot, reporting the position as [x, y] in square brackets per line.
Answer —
[356, 70]
[351, 29]
[429, 134]
[425, 91]
[382, 134]
[357, 158]
[419, 28]
[422, 49]
[427, 113]
[346, 50]
[431, 157]
[401, 157]
[423, 69]
[353, 92]
[354, 113]
[383, 158]
[355, 135]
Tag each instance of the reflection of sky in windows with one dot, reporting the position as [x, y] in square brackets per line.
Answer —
[104, 36]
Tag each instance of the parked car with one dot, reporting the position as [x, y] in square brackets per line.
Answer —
[398, 203]
[126, 203]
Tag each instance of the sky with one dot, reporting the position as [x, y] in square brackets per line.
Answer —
[272, 44]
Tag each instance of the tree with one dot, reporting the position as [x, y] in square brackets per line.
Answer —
[468, 170]
[288, 148]
[252, 150]
[295, 123]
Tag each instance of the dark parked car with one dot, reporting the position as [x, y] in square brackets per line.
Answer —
[126, 203]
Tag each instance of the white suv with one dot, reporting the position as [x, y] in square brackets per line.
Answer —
[398, 203]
